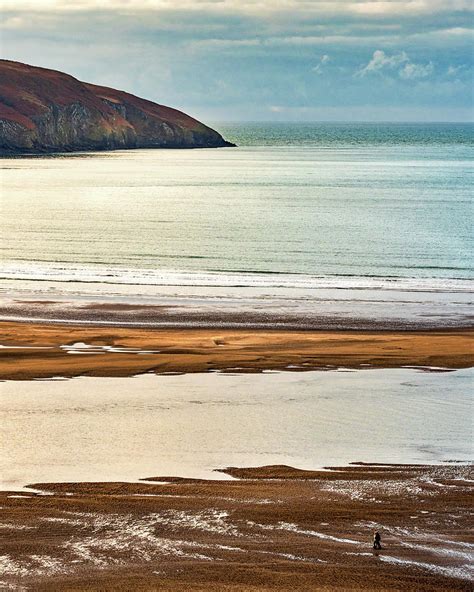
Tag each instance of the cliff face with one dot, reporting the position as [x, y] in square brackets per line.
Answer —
[48, 111]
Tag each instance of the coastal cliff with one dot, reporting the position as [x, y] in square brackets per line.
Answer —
[45, 110]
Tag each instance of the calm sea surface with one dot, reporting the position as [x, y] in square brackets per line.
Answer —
[294, 213]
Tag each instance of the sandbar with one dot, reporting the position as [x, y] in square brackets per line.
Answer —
[42, 350]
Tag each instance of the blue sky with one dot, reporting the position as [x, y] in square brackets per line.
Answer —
[283, 60]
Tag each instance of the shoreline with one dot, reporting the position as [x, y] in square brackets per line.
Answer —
[35, 350]
[273, 472]
[268, 528]
[247, 322]
[182, 300]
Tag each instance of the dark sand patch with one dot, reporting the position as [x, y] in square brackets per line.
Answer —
[178, 313]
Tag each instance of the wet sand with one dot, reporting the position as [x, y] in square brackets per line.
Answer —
[35, 350]
[272, 528]
[267, 528]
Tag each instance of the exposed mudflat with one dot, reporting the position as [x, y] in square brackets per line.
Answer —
[271, 528]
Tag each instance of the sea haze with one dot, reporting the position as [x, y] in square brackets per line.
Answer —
[329, 220]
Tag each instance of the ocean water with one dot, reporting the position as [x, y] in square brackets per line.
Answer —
[309, 214]
[190, 425]
[313, 221]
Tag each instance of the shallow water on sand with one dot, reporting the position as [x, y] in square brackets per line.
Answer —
[127, 428]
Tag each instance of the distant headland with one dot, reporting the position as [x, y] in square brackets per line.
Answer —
[44, 110]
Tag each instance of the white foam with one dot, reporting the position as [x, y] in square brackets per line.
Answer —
[76, 272]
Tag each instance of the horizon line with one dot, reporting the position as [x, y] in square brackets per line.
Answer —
[388, 121]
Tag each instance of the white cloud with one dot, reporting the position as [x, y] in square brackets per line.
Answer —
[457, 70]
[318, 69]
[380, 60]
[411, 70]
[400, 62]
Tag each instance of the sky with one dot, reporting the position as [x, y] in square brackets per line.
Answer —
[260, 60]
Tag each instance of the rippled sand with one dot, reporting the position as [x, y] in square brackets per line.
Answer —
[272, 528]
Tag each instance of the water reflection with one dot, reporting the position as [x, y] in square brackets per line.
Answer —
[127, 428]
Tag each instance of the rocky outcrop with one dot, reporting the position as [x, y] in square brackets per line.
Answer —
[48, 111]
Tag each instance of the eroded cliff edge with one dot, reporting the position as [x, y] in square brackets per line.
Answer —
[45, 110]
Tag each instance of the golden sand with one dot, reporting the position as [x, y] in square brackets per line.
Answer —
[37, 351]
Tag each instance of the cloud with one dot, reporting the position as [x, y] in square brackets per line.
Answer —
[370, 8]
[399, 62]
[319, 68]
[250, 59]
[406, 7]
[380, 61]
[410, 70]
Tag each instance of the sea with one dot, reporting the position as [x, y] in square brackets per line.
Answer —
[318, 221]
[307, 225]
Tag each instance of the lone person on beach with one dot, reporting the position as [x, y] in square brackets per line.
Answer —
[377, 539]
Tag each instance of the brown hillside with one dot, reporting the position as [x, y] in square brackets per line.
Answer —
[44, 110]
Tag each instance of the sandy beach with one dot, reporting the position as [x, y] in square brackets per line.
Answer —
[35, 350]
[270, 528]
[236, 296]
[267, 528]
